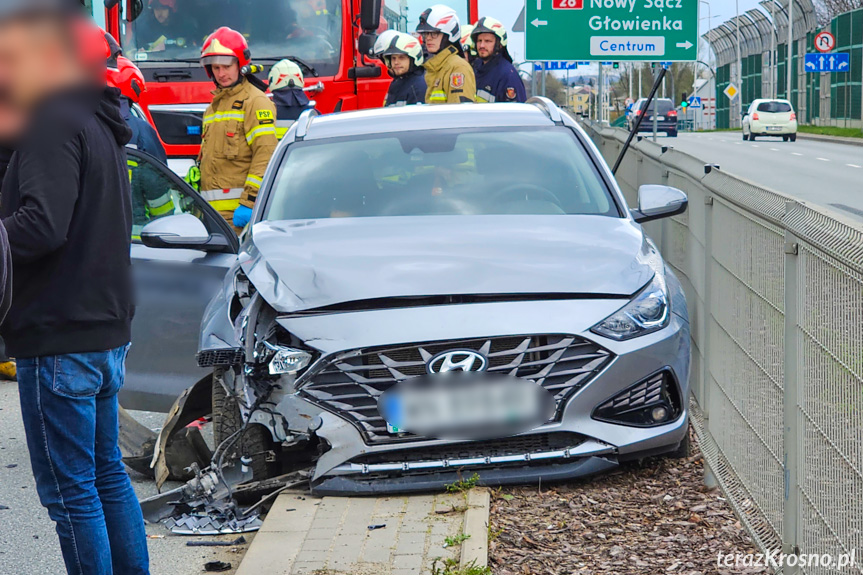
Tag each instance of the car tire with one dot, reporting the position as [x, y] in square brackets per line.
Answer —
[683, 450]
[256, 441]
[745, 137]
[751, 137]
[672, 134]
[793, 137]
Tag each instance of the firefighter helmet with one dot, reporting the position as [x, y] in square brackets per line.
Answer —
[467, 39]
[127, 78]
[225, 46]
[487, 25]
[440, 18]
[172, 4]
[383, 42]
[404, 44]
[286, 74]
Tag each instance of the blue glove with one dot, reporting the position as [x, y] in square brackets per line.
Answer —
[242, 216]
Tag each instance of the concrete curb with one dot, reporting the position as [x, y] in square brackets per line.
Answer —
[474, 550]
[832, 139]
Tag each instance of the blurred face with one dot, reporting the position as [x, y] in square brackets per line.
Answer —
[400, 63]
[36, 60]
[226, 75]
[162, 14]
[485, 45]
[433, 41]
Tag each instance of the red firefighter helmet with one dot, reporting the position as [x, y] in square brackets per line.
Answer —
[128, 79]
[222, 47]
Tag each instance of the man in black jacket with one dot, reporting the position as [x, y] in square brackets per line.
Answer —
[67, 208]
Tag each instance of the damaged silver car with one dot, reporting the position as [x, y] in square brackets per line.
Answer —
[397, 244]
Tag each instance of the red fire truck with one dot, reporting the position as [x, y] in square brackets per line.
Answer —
[327, 38]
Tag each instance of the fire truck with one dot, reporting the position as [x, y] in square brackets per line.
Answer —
[329, 39]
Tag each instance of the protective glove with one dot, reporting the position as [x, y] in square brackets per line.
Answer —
[193, 178]
[242, 216]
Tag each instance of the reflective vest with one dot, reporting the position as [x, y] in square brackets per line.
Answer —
[239, 138]
[449, 78]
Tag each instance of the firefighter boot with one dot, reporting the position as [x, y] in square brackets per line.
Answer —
[8, 371]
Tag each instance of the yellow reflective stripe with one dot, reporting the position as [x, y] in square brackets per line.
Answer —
[225, 205]
[485, 97]
[224, 117]
[216, 195]
[160, 206]
[260, 131]
[280, 132]
[438, 96]
[254, 181]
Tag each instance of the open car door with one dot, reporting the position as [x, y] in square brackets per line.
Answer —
[173, 286]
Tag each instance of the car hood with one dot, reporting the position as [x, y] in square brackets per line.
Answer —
[309, 264]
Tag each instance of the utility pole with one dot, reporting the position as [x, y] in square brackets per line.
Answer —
[600, 108]
[544, 73]
[739, 97]
[790, 49]
[639, 79]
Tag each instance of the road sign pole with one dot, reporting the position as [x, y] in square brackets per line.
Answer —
[544, 74]
[789, 49]
[601, 107]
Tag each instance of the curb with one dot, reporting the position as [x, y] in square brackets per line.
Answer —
[833, 139]
[474, 550]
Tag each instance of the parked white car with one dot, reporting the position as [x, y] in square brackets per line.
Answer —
[770, 118]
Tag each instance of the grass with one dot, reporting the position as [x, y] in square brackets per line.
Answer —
[463, 485]
[450, 567]
[457, 540]
[831, 131]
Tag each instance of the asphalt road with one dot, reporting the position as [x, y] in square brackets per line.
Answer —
[823, 173]
[28, 544]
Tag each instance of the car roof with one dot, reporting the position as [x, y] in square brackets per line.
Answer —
[761, 100]
[422, 117]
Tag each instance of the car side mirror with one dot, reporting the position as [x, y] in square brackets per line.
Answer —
[181, 231]
[370, 14]
[657, 202]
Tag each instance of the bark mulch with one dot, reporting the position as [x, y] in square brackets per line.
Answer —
[648, 518]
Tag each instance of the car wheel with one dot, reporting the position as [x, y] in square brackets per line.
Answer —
[256, 441]
[784, 138]
[745, 137]
[793, 137]
[672, 134]
[684, 450]
[751, 137]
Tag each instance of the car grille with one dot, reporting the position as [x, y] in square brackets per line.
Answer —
[350, 386]
[221, 357]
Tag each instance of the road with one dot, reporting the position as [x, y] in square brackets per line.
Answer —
[823, 173]
[28, 544]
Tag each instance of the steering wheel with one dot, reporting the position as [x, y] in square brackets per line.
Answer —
[437, 205]
[526, 192]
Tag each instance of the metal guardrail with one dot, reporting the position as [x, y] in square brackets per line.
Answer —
[775, 291]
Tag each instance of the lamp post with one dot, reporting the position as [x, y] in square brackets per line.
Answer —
[739, 59]
[789, 50]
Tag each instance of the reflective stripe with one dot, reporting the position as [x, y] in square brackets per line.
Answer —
[218, 195]
[282, 127]
[224, 117]
[438, 96]
[254, 181]
[260, 131]
[485, 97]
[160, 206]
[225, 205]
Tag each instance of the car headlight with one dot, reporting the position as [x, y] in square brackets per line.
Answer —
[287, 360]
[646, 313]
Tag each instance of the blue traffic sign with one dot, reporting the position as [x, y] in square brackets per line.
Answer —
[555, 66]
[694, 102]
[832, 62]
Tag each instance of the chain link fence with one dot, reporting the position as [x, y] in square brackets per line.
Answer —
[775, 291]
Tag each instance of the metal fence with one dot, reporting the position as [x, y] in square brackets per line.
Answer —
[775, 291]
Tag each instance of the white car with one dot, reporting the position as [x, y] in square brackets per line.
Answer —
[770, 118]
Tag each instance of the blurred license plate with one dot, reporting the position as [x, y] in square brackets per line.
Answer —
[658, 118]
[774, 128]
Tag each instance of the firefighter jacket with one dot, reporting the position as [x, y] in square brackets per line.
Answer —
[449, 78]
[407, 89]
[238, 140]
[498, 81]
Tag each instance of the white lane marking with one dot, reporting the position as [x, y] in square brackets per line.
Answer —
[754, 145]
[853, 166]
[796, 154]
[738, 143]
[822, 159]
[774, 149]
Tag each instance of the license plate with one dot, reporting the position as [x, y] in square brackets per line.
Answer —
[658, 118]
[774, 128]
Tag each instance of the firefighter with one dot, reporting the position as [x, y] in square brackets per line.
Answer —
[403, 58]
[286, 85]
[127, 78]
[467, 44]
[239, 135]
[449, 77]
[497, 79]
[162, 28]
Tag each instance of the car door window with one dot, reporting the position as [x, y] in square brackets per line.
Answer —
[155, 195]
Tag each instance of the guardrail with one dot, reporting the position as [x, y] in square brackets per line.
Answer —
[775, 291]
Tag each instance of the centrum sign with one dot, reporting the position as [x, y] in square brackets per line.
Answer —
[612, 30]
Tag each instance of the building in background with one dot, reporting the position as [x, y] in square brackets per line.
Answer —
[396, 14]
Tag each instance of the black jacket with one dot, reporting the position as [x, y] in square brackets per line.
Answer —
[498, 81]
[66, 206]
[5, 256]
[408, 89]
[290, 103]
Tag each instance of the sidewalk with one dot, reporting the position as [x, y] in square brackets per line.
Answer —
[833, 139]
[304, 535]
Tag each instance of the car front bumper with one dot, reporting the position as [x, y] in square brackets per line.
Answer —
[575, 444]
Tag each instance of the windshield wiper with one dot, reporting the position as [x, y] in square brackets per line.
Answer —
[311, 69]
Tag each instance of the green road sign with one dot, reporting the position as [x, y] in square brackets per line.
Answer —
[606, 30]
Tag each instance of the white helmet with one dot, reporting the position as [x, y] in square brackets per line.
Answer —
[440, 18]
[467, 43]
[383, 42]
[404, 44]
[286, 74]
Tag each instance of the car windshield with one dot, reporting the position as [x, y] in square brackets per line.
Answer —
[174, 30]
[775, 107]
[440, 172]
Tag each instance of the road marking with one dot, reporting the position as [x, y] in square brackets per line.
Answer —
[853, 166]
[822, 159]
[774, 149]
[796, 154]
[754, 145]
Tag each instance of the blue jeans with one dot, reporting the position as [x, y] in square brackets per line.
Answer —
[70, 410]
